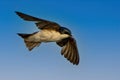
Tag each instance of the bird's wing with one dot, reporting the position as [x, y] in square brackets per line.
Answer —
[40, 23]
[69, 50]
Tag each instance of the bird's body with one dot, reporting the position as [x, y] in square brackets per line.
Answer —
[51, 32]
[47, 36]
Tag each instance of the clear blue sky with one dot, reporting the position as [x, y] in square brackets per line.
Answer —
[94, 23]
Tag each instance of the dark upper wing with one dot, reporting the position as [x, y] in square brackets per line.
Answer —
[40, 23]
[70, 50]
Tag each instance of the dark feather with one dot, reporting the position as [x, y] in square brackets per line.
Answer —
[28, 17]
[40, 23]
[62, 42]
[70, 51]
[48, 25]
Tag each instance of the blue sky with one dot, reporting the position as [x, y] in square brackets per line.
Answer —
[94, 23]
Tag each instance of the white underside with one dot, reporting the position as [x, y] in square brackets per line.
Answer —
[47, 36]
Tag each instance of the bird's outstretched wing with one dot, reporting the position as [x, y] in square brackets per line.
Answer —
[40, 23]
[69, 50]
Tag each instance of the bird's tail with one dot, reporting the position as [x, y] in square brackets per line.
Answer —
[29, 44]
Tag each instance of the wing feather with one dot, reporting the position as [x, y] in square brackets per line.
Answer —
[28, 17]
[40, 23]
[70, 51]
[67, 53]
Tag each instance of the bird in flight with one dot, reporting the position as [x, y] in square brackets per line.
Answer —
[51, 32]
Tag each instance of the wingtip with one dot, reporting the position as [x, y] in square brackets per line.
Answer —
[19, 34]
[76, 63]
[17, 12]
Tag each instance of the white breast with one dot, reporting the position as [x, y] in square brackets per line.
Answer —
[49, 36]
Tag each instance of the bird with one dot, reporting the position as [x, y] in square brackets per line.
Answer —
[51, 32]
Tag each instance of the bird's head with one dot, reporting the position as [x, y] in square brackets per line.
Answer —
[64, 30]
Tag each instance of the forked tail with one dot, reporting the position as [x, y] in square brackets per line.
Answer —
[29, 44]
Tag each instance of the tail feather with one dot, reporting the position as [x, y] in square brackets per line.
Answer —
[29, 44]
[24, 35]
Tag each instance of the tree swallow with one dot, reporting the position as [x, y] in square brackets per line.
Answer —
[51, 32]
